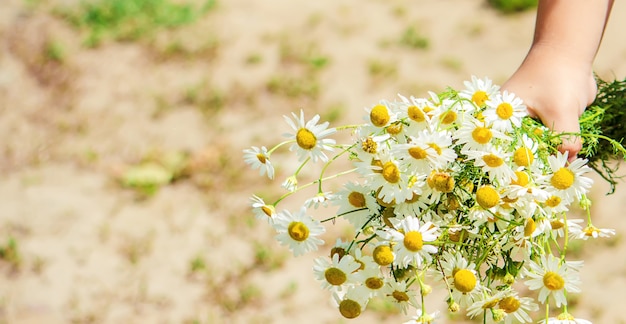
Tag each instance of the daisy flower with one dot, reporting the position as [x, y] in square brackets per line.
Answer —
[373, 280]
[400, 295]
[262, 210]
[391, 180]
[505, 111]
[594, 232]
[259, 158]
[475, 135]
[483, 302]
[351, 303]
[290, 184]
[309, 137]
[495, 162]
[462, 277]
[380, 116]
[356, 204]
[420, 318]
[337, 272]
[524, 154]
[479, 91]
[321, 198]
[298, 231]
[517, 308]
[551, 277]
[559, 228]
[410, 239]
[417, 112]
[427, 146]
[567, 180]
[565, 318]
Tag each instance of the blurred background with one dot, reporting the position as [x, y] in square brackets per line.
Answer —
[123, 194]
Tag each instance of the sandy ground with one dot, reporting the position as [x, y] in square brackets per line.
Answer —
[94, 251]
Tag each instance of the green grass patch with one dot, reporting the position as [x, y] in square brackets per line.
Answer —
[512, 6]
[129, 20]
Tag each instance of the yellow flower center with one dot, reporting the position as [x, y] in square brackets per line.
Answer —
[523, 156]
[268, 210]
[522, 179]
[553, 281]
[509, 304]
[441, 181]
[298, 231]
[391, 172]
[530, 227]
[492, 160]
[356, 199]
[553, 201]
[379, 116]
[464, 280]
[416, 114]
[400, 296]
[435, 147]
[382, 255]
[479, 98]
[413, 241]
[565, 317]
[482, 135]
[306, 139]
[418, 153]
[490, 304]
[261, 158]
[369, 145]
[394, 129]
[349, 308]
[562, 179]
[374, 283]
[557, 224]
[448, 117]
[335, 276]
[487, 197]
[504, 110]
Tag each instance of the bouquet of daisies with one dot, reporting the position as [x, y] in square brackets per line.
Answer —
[459, 189]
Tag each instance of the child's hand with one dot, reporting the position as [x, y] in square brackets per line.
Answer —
[557, 89]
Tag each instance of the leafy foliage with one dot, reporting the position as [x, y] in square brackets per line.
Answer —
[603, 130]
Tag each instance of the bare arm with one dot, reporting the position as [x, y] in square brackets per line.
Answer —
[556, 78]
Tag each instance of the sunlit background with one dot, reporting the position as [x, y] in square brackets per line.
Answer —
[123, 194]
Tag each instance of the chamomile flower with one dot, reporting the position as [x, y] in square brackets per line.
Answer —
[567, 180]
[411, 240]
[423, 318]
[479, 91]
[552, 278]
[524, 154]
[391, 180]
[321, 198]
[400, 295]
[259, 158]
[485, 301]
[475, 135]
[559, 227]
[505, 111]
[462, 277]
[298, 231]
[336, 273]
[417, 112]
[594, 232]
[565, 318]
[432, 146]
[495, 162]
[351, 303]
[262, 210]
[290, 184]
[356, 204]
[309, 137]
[380, 116]
[373, 280]
[517, 308]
